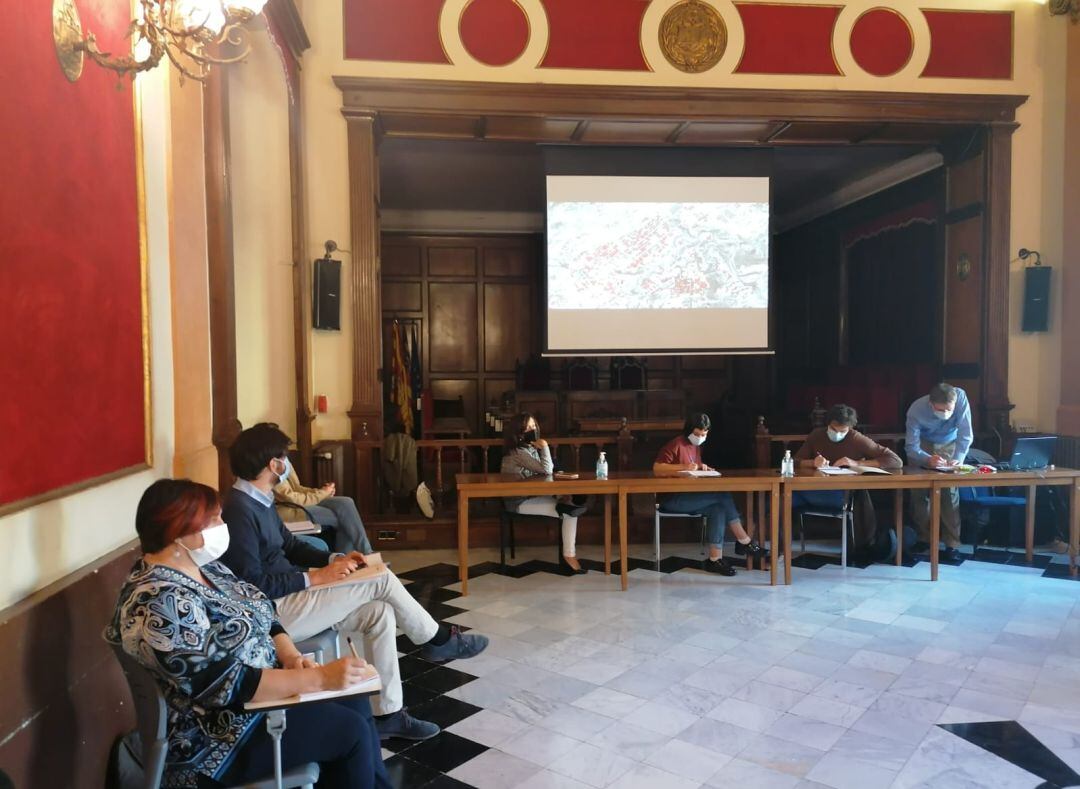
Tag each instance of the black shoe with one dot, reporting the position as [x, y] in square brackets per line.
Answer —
[579, 571]
[920, 547]
[571, 510]
[750, 549]
[949, 555]
[460, 646]
[404, 726]
[718, 566]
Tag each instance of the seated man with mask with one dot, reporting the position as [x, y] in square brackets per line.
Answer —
[840, 444]
[683, 453]
[299, 578]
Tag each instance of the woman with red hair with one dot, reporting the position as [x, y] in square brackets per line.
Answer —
[213, 643]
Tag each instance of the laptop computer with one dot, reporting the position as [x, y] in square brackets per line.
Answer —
[1031, 452]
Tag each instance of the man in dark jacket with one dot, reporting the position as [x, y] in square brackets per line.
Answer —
[303, 582]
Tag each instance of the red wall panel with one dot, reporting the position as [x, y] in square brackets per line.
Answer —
[971, 44]
[881, 42]
[788, 39]
[598, 34]
[71, 314]
[495, 32]
[402, 30]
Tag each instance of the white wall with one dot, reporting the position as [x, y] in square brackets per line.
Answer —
[46, 542]
[262, 238]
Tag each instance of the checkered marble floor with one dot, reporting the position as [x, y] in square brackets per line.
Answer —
[865, 677]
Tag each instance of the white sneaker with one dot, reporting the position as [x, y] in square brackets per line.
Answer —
[1059, 546]
[425, 501]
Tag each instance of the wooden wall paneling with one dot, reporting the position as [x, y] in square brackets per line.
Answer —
[995, 314]
[65, 698]
[493, 390]
[466, 388]
[219, 237]
[963, 335]
[509, 260]
[452, 327]
[508, 325]
[366, 411]
[452, 261]
[401, 258]
[402, 296]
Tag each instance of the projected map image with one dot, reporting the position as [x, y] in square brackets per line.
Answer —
[658, 255]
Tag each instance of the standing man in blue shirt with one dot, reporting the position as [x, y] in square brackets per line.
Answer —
[939, 435]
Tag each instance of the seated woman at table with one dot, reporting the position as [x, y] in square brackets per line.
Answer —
[840, 444]
[526, 454]
[213, 643]
[683, 453]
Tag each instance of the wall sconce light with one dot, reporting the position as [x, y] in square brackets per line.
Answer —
[1024, 254]
[1070, 7]
[187, 32]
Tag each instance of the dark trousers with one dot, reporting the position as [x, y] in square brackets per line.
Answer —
[340, 735]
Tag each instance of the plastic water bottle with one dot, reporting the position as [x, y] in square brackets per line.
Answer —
[787, 465]
[601, 466]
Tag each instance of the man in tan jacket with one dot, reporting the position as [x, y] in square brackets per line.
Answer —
[299, 502]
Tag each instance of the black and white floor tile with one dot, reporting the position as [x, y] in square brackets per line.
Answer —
[866, 677]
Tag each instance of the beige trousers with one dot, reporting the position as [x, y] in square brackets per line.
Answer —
[950, 503]
[372, 609]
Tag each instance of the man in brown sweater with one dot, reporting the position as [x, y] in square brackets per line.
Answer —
[840, 444]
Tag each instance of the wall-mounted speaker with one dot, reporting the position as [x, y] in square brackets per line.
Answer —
[326, 295]
[1036, 298]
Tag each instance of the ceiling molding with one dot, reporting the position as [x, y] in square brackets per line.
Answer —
[450, 98]
[860, 189]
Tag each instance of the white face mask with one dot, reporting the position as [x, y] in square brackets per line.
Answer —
[943, 415]
[836, 437]
[284, 475]
[696, 440]
[215, 543]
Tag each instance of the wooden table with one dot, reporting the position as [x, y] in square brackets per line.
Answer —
[491, 486]
[912, 478]
[736, 481]
[1031, 480]
[781, 490]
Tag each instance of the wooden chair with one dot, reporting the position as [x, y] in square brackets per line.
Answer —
[582, 374]
[628, 373]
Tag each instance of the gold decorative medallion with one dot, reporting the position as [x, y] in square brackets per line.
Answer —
[67, 35]
[693, 36]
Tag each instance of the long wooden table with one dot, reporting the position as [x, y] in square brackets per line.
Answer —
[912, 478]
[780, 491]
[488, 486]
[474, 486]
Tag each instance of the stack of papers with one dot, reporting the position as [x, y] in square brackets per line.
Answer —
[709, 473]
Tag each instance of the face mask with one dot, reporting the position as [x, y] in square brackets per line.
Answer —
[215, 543]
[943, 415]
[836, 437]
[696, 440]
[284, 475]
[529, 436]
